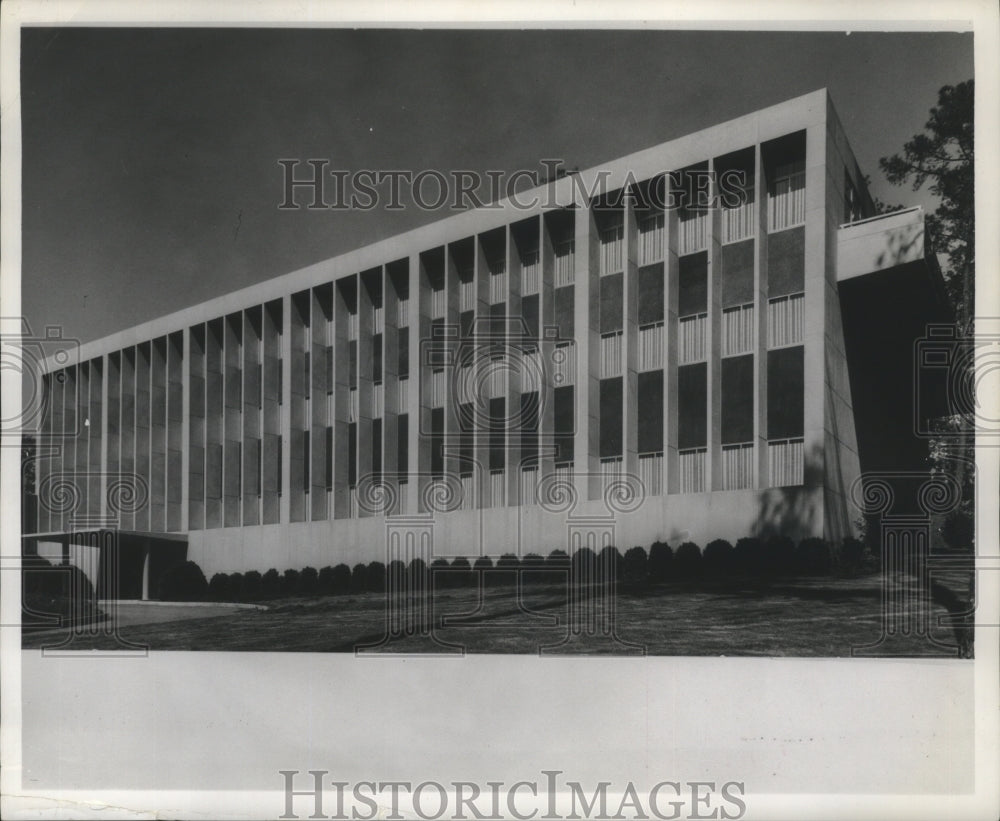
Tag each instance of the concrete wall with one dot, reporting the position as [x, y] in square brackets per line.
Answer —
[793, 512]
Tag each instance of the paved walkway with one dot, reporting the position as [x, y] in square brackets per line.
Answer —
[130, 613]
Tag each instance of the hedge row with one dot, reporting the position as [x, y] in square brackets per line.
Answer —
[720, 559]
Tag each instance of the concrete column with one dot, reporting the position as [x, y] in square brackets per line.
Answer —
[285, 414]
[102, 501]
[761, 479]
[814, 320]
[452, 426]
[671, 296]
[713, 466]
[70, 424]
[418, 405]
[546, 319]
[390, 385]
[514, 386]
[341, 403]
[586, 445]
[484, 328]
[630, 339]
[319, 326]
[363, 439]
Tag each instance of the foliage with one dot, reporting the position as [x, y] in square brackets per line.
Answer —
[218, 587]
[660, 561]
[253, 587]
[943, 157]
[375, 577]
[271, 583]
[635, 567]
[718, 558]
[688, 561]
[183, 582]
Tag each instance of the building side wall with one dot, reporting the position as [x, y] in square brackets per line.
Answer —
[261, 431]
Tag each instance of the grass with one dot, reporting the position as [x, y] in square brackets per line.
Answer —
[823, 617]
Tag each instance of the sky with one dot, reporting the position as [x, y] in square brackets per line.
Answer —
[150, 163]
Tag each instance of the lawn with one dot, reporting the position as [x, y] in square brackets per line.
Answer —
[786, 617]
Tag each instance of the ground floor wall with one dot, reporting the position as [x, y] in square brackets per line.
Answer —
[795, 512]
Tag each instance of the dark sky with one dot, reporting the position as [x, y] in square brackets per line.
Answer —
[151, 179]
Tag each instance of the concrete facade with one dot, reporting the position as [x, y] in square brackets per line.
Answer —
[413, 386]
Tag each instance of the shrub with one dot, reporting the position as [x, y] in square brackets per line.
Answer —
[418, 574]
[583, 566]
[65, 591]
[37, 577]
[395, 576]
[609, 564]
[375, 577]
[66, 581]
[749, 556]
[687, 562]
[461, 572]
[308, 581]
[235, 587]
[813, 556]
[324, 583]
[780, 552]
[270, 584]
[290, 583]
[852, 554]
[557, 559]
[660, 561]
[341, 579]
[218, 586]
[253, 587]
[359, 578]
[441, 574]
[557, 567]
[718, 558]
[534, 565]
[635, 567]
[506, 569]
[482, 564]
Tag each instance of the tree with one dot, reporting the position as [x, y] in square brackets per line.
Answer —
[943, 157]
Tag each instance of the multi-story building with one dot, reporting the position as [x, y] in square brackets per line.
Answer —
[663, 359]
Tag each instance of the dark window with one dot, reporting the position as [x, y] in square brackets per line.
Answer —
[692, 406]
[497, 428]
[437, 441]
[737, 399]
[402, 443]
[785, 393]
[377, 358]
[403, 365]
[650, 286]
[611, 303]
[529, 311]
[563, 305]
[737, 273]
[528, 423]
[563, 410]
[649, 407]
[376, 446]
[692, 282]
[611, 417]
[786, 262]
